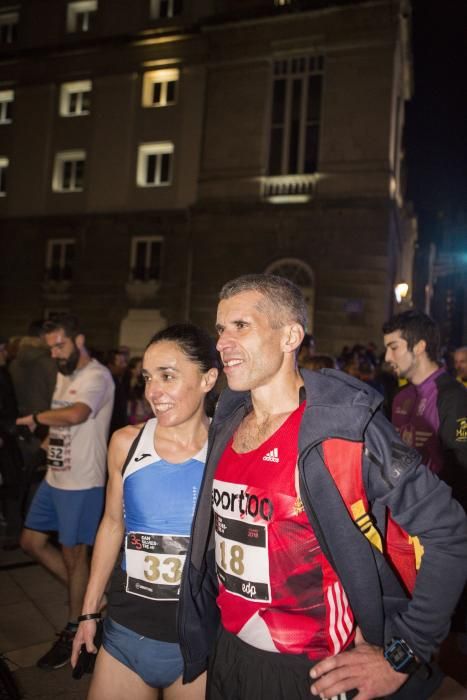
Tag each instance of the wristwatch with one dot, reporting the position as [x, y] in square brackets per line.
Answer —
[400, 656]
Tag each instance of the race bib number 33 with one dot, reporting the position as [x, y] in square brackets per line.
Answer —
[154, 564]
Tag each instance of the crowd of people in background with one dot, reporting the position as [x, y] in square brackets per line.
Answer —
[28, 375]
[369, 365]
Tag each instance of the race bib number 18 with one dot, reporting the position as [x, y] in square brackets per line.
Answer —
[242, 558]
[154, 564]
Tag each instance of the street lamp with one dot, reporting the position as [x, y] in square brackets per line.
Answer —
[400, 291]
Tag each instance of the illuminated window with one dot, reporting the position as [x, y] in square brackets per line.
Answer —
[75, 98]
[8, 27]
[6, 104]
[155, 164]
[160, 9]
[146, 258]
[59, 259]
[295, 115]
[69, 171]
[3, 172]
[160, 87]
[79, 15]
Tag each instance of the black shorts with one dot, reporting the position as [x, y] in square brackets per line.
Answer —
[238, 671]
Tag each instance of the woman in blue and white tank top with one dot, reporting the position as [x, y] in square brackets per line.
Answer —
[154, 476]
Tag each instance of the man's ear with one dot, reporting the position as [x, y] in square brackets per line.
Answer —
[419, 348]
[79, 341]
[210, 379]
[293, 337]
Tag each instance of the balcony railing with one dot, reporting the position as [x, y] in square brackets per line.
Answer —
[288, 188]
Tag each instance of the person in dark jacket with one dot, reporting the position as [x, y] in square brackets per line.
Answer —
[10, 459]
[33, 372]
[460, 365]
[281, 590]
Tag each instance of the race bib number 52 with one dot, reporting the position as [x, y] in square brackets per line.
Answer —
[154, 564]
[59, 450]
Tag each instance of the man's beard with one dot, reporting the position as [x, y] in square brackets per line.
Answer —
[69, 365]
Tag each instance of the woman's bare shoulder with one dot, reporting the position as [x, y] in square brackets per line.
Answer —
[122, 439]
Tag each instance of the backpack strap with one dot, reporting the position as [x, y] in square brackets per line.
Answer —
[344, 462]
[343, 459]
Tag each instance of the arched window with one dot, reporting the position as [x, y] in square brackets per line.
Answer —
[302, 275]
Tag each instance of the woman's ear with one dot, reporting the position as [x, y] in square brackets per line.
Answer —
[210, 379]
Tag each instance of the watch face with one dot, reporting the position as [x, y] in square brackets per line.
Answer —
[398, 654]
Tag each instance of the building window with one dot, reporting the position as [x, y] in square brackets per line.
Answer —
[3, 172]
[161, 9]
[295, 115]
[6, 105]
[8, 27]
[160, 87]
[155, 164]
[75, 98]
[146, 258]
[79, 16]
[69, 171]
[59, 259]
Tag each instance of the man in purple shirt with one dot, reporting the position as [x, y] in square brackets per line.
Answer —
[430, 412]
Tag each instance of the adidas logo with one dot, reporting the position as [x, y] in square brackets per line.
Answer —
[272, 456]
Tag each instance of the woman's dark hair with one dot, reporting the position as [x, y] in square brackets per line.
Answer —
[198, 346]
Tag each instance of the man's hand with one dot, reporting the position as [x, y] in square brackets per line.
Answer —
[363, 668]
[28, 421]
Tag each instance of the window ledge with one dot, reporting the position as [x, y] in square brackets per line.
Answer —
[139, 290]
[57, 290]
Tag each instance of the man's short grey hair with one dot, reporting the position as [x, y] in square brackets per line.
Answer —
[285, 301]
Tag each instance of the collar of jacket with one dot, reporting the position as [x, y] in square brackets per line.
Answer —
[341, 406]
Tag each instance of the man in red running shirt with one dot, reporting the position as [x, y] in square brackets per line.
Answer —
[281, 590]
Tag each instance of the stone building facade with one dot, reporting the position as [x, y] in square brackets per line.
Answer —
[152, 150]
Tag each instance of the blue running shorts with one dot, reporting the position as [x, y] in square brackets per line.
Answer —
[159, 664]
[75, 515]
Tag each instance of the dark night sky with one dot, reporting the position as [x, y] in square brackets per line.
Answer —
[436, 127]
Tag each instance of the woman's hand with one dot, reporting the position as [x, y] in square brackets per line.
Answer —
[84, 635]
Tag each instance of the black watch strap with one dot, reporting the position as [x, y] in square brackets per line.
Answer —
[401, 657]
